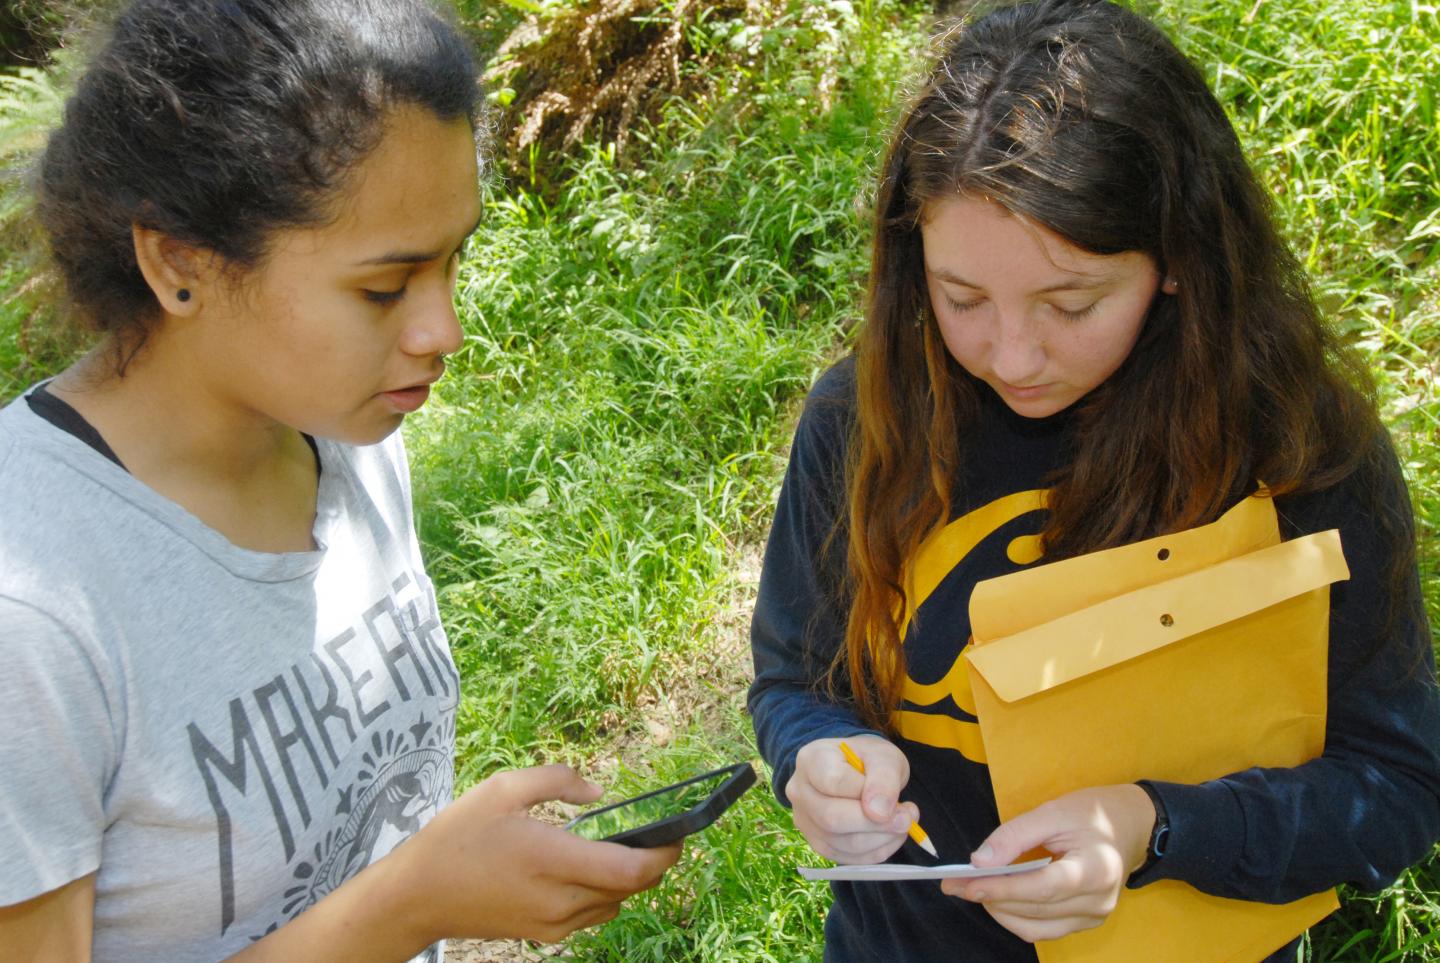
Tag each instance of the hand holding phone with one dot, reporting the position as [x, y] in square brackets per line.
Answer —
[484, 867]
[668, 814]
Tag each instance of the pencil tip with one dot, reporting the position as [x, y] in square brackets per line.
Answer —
[929, 847]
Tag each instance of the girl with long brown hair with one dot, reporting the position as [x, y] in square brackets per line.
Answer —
[1082, 330]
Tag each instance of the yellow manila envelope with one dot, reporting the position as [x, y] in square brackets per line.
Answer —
[1181, 658]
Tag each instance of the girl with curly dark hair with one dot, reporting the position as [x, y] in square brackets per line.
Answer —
[227, 696]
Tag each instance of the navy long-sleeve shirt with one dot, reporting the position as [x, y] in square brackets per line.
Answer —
[1360, 813]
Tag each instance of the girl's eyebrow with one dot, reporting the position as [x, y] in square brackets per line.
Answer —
[418, 257]
[1080, 282]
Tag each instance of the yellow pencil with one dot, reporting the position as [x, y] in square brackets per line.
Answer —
[922, 838]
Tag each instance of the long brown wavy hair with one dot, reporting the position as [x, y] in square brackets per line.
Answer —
[1083, 117]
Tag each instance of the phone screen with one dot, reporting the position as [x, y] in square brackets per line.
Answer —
[626, 816]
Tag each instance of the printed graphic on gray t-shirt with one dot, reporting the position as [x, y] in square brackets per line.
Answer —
[317, 715]
[226, 736]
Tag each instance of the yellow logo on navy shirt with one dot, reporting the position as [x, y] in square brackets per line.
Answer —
[936, 557]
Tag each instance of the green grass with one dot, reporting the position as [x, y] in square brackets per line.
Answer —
[609, 429]
[30, 102]
[717, 222]
[607, 447]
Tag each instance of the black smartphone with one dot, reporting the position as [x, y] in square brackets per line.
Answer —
[668, 814]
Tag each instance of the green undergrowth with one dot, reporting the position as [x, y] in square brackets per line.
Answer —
[667, 284]
[610, 439]
[609, 432]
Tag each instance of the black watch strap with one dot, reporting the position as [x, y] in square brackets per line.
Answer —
[1159, 836]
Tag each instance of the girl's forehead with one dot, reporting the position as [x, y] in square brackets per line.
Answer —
[421, 178]
[979, 229]
[408, 200]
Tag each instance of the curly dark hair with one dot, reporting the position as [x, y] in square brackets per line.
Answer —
[219, 123]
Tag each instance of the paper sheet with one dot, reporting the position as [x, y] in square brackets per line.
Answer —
[891, 872]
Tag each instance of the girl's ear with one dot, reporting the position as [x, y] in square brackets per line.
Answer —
[177, 273]
[1170, 285]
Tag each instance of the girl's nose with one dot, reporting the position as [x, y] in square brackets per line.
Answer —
[437, 329]
[1018, 357]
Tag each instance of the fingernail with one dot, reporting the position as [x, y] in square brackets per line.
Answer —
[983, 853]
[900, 823]
[979, 896]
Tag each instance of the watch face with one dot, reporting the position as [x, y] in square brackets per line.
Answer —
[1158, 839]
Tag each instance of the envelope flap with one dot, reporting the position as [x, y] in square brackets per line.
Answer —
[1117, 629]
[1003, 606]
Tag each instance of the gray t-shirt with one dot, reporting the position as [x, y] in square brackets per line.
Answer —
[225, 735]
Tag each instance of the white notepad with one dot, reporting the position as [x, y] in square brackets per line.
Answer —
[892, 872]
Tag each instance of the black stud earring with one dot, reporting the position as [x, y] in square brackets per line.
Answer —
[183, 295]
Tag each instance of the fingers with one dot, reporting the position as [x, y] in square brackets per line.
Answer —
[841, 816]
[822, 766]
[593, 916]
[1076, 892]
[653, 863]
[519, 789]
[1118, 817]
[849, 816]
[851, 847]
[581, 910]
[1033, 930]
[854, 849]
[597, 898]
[886, 773]
[839, 829]
[1059, 880]
[1087, 906]
[1061, 889]
[1015, 837]
[609, 867]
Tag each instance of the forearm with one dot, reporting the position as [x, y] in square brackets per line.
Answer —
[373, 917]
[1275, 835]
[1369, 806]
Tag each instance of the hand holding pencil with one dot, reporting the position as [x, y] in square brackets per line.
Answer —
[921, 838]
[851, 811]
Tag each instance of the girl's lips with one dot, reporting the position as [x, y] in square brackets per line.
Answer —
[1029, 391]
[406, 400]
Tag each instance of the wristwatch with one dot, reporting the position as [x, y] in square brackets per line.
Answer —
[1159, 836]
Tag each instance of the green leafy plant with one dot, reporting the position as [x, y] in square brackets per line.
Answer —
[594, 476]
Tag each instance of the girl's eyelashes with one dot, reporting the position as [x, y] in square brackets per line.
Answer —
[383, 297]
[960, 307]
[1077, 314]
